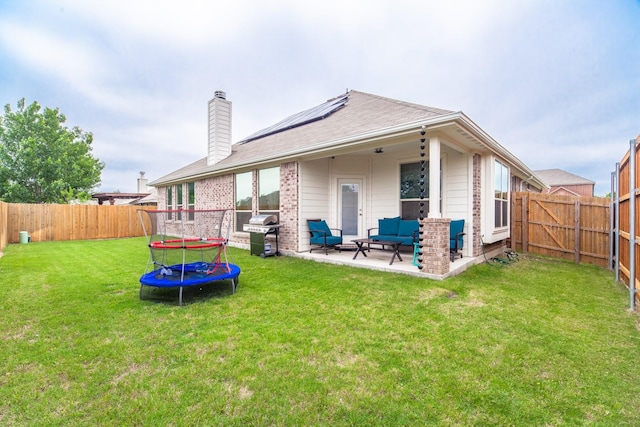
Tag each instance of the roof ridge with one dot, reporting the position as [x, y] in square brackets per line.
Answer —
[430, 109]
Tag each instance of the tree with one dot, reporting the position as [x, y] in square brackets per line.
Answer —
[42, 161]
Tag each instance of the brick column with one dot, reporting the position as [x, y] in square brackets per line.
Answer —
[435, 246]
[289, 206]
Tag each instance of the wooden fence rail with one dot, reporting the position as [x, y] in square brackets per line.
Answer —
[44, 222]
[574, 228]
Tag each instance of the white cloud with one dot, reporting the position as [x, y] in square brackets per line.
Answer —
[551, 81]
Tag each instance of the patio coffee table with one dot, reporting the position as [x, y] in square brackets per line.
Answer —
[365, 244]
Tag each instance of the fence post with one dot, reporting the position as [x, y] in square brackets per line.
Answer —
[514, 243]
[632, 224]
[525, 224]
[577, 232]
[617, 219]
[612, 233]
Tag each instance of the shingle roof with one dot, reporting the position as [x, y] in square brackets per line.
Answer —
[556, 177]
[361, 114]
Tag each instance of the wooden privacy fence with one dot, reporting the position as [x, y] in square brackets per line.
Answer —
[573, 228]
[45, 222]
[625, 184]
[4, 226]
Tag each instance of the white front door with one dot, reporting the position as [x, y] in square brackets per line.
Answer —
[350, 208]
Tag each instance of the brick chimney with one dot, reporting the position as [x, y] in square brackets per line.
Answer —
[219, 128]
[142, 183]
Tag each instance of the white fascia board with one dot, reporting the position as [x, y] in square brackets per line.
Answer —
[498, 149]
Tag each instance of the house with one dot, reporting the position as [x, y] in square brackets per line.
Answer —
[144, 197]
[352, 160]
[566, 184]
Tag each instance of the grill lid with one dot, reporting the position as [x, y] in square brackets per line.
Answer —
[263, 220]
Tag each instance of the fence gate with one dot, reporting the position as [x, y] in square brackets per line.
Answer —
[574, 228]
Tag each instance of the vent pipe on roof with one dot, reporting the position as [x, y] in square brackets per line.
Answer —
[219, 128]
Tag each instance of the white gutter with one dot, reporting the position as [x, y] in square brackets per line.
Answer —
[493, 145]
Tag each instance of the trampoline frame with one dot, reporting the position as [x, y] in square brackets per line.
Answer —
[156, 276]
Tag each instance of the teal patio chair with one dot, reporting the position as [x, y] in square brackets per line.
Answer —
[456, 240]
[322, 236]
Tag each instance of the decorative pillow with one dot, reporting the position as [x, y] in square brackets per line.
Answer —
[407, 227]
[388, 226]
[317, 226]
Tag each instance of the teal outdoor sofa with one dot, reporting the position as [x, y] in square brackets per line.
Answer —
[404, 231]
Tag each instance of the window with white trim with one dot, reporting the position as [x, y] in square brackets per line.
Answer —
[179, 200]
[170, 202]
[191, 199]
[410, 190]
[269, 191]
[244, 198]
[501, 195]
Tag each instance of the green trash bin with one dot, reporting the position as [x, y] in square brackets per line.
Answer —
[24, 237]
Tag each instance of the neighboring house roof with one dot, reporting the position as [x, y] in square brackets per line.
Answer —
[363, 119]
[111, 197]
[150, 199]
[558, 178]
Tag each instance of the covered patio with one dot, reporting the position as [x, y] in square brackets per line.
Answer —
[379, 260]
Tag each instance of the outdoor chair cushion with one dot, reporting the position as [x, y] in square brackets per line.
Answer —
[321, 234]
[388, 226]
[319, 228]
[455, 233]
[331, 240]
[408, 227]
[456, 239]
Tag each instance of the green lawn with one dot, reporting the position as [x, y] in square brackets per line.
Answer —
[540, 342]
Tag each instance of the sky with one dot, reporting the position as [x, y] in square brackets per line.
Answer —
[556, 82]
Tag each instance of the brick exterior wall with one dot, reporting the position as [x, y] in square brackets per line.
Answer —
[215, 193]
[219, 193]
[585, 190]
[518, 184]
[434, 246]
[162, 198]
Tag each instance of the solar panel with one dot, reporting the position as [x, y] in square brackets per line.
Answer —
[311, 115]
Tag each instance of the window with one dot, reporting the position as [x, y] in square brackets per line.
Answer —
[179, 200]
[169, 202]
[191, 199]
[410, 190]
[501, 195]
[269, 191]
[244, 199]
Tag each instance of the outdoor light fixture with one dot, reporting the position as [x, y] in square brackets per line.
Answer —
[378, 150]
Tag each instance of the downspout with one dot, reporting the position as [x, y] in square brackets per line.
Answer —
[632, 224]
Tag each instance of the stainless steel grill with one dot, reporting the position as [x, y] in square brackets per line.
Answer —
[258, 227]
[262, 224]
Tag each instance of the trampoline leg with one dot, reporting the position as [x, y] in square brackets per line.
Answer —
[233, 285]
[180, 298]
[141, 286]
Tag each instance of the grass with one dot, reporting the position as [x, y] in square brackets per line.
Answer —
[539, 342]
